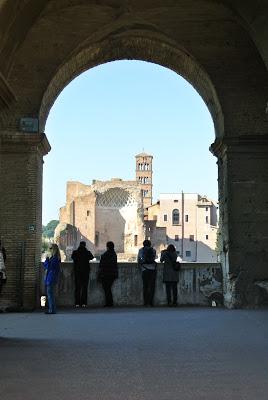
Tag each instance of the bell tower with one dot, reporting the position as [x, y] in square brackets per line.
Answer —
[144, 175]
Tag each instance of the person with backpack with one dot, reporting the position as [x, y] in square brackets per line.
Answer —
[170, 273]
[146, 261]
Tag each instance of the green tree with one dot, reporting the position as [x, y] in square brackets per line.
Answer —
[45, 245]
[49, 229]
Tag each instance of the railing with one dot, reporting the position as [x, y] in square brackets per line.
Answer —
[199, 284]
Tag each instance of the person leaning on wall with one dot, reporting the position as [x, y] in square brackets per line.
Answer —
[108, 272]
[81, 258]
[52, 269]
[3, 257]
[146, 261]
[170, 274]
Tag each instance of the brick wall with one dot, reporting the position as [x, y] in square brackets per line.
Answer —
[20, 215]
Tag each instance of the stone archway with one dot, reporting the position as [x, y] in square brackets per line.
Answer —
[210, 45]
[135, 45]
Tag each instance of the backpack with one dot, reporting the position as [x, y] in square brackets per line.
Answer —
[148, 255]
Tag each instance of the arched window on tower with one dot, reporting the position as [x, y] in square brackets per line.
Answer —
[175, 217]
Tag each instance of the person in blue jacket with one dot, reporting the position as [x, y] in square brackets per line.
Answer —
[52, 267]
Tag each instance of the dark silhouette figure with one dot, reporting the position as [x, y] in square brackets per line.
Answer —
[170, 274]
[146, 260]
[108, 272]
[81, 258]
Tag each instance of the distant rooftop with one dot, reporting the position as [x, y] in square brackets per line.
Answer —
[144, 155]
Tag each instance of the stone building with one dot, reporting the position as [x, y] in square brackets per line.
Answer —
[189, 222]
[122, 211]
[103, 211]
[107, 210]
[144, 175]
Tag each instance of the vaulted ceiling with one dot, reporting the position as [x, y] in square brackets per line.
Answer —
[228, 40]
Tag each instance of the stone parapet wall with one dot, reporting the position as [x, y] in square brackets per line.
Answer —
[199, 284]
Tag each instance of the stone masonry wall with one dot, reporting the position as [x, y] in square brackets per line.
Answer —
[199, 284]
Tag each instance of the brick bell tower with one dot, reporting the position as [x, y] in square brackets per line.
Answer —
[144, 175]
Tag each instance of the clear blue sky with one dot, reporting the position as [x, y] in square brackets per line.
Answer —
[110, 113]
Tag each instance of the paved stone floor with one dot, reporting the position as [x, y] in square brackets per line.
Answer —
[152, 354]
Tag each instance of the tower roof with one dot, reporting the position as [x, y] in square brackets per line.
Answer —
[143, 155]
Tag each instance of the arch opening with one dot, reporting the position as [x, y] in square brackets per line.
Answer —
[118, 165]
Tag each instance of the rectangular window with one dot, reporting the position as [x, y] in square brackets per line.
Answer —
[191, 238]
[87, 213]
[206, 208]
[135, 240]
[165, 217]
[206, 219]
[206, 237]
[176, 238]
[176, 201]
[186, 218]
[188, 253]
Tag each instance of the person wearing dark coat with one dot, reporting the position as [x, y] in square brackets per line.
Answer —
[108, 272]
[146, 261]
[81, 258]
[170, 275]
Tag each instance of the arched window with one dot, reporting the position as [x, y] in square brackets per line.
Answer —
[175, 217]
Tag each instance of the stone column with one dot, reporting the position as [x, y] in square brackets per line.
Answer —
[21, 169]
[243, 199]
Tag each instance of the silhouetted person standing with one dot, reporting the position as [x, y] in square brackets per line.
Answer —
[146, 260]
[81, 258]
[108, 272]
[170, 274]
